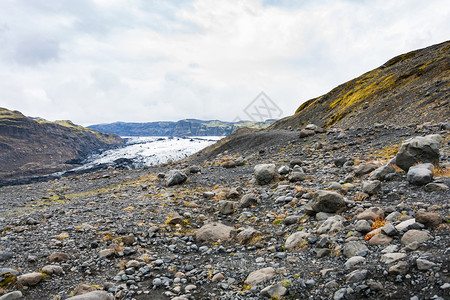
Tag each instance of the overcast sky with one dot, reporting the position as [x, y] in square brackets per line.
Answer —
[100, 61]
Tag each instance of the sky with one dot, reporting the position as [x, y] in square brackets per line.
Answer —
[101, 61]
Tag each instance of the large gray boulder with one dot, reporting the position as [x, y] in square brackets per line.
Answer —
[264, 173]
[326, 201]
[174, 177]
[418, 149]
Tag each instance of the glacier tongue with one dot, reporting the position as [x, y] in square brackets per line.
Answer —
[147, 151]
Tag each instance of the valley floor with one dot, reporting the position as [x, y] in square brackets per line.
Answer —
[126, 232]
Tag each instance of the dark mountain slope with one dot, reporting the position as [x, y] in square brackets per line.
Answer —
[410, 88]
[188, 127]
[36, 147]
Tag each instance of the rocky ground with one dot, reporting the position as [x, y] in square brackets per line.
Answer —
[289, 218]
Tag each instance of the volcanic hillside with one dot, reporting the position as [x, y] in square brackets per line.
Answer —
[410, 88]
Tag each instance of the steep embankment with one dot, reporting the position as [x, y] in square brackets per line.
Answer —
[410, 88]
[35, 147]
[188, 127]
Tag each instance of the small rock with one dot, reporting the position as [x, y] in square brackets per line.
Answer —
[365, 169]
[248, 200]
[226, 207]
[295, 240]
[106, 253]
[381, 173]
[389, 230]
[391, 257]
[424, 265]
[371, 214]
[354, 248]
[59, 257]
[363, 226]
[357, 276]
[218, 277]
[435, 187]
[352, 261]
[258, 276]
[213, 232]
[399, 269]
[95, 295]
[247, 235]
[332, 225]
[380, 239]
[83, 288]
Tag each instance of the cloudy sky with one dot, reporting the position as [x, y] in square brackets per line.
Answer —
[100, 61]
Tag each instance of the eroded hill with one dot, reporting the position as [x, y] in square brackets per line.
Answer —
[410, 88]
[31, 147]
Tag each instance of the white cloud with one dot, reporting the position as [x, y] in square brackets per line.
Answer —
[103, 61]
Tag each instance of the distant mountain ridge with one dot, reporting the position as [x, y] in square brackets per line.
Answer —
[187, 127]
[34, 146]
[411, 88]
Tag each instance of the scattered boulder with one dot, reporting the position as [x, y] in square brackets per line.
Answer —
[380, 239]
[258, 276]
[306, 132]
[363, 226]
[371, 214]
[95, 295]
[59, 257]
[357, 276]
[332, 225]
[247, 235]
[424, 265]
[352, 261]
[354, 248]
[226, 207]
[12, 296]
[297, 174]
[399, 269]
[435, 187]
[30, 279]
[389, 258]
[420, 174]
[106, 253]
[429, 219]
[414, 235]
[264, 173]
[371, 187]
[283, 170]
[213, 232]
[327, 201]
[248, 200]
[295, 240]
[274, 291]
[52, 270]
[381, 173]
[365, 169]
[418, 149]
[83, 288]
[174, 177]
